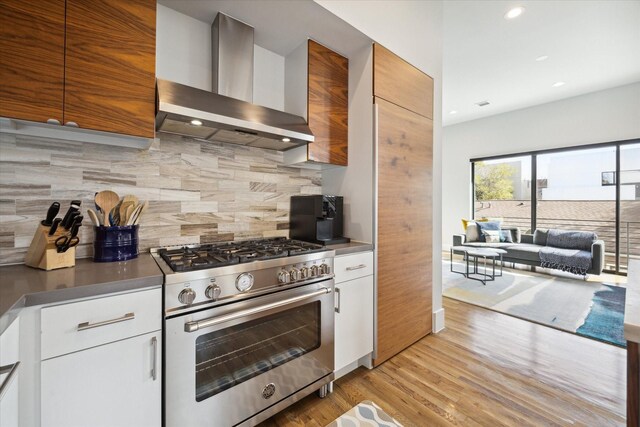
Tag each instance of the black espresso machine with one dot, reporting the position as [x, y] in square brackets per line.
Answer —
[317, 219]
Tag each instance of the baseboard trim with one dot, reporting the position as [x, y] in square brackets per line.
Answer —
[438, 320]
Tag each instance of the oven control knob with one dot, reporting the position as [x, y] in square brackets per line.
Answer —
[212, 292]
[284, 277]
[304, 272]
[324, 269]
[244, 282]
[186, 296]
[314, 270]
[294, 273]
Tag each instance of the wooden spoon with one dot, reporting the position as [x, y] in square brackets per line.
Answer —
[124, 212]
[106, 201]
[141, 208]
[130, 198]
[129, 216]
[94, 217]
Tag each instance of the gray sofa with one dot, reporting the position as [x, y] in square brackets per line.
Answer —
[527, 249]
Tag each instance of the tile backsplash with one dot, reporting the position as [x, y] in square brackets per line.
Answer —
[198, 192]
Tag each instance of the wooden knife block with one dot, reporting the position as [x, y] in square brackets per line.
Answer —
[43, 253]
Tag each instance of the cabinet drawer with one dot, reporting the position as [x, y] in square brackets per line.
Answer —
[76, 326]
[349, 267]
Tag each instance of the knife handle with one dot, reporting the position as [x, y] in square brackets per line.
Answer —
[51, 214]
[54, 226]
[72, 216]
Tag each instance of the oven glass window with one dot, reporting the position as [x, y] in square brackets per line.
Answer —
[236, 354]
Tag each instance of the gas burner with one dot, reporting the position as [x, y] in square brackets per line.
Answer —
[228, 253]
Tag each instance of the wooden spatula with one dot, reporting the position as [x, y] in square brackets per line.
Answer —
[124, 211]
[106, 200]
[138, 212]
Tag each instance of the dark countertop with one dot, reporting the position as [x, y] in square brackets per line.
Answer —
[351, 247]
[22, 286]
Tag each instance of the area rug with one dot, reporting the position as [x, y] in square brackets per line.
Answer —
[590, 309]
[365, 414]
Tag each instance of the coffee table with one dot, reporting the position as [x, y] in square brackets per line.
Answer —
[472, 254]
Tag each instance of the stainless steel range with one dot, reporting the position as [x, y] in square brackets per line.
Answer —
[248, 329]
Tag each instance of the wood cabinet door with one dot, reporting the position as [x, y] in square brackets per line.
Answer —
[404, 222]
[32, 59]
[401, 83]
[328, 105]
[110, 66]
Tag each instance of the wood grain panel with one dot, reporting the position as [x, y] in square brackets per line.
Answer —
[484, 369]
[633, 384]
[328, 105]
[404, 166]
[110, 65]
[32, 59]
[401, 83]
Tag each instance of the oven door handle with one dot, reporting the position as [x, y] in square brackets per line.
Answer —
[212, 321]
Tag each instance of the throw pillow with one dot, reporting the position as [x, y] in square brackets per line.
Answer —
[505, 236]
[466, 222]
[491, 236]
[540, 237]
[491, 225]
[471, 232]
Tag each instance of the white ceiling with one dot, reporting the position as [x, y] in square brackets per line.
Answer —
[592, 45]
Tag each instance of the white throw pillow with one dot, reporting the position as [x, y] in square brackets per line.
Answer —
[491, 236]
[472, 234]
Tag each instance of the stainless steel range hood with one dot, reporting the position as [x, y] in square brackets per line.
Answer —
[228, 115]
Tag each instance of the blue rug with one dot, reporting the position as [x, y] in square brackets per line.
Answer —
[605, 321]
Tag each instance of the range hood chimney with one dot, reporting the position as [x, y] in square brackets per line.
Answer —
[228, 114]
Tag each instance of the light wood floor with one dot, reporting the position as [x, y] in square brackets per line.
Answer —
[484, 369]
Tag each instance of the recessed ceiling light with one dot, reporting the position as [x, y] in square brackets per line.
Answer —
[285, 140]
[482, 103]
[514, 13]
[542, 58]
[558, 84]
[453, 112]
[196, 122]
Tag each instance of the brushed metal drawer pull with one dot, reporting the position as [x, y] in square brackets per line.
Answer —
[86, 325]
[337, 294]
[13, 370]
[154, 369]
[357, 267]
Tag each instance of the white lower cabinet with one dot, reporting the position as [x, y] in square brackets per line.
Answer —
[9, 376]
[101, 362]
[354, 308]
[116, 384]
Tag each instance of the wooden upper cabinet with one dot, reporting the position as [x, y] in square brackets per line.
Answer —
[110, 66]
[32, 59]
[328, 105]
[401, 83]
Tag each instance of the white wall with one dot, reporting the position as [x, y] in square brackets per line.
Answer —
[412, 30]
[604, 116]
[183, 55]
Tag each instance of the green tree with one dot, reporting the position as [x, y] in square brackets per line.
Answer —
[494, 182]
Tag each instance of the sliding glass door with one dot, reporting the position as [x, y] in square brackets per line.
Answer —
[575, 192]
[592, 188]
[629, 204]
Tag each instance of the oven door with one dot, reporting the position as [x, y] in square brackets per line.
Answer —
[225, 364]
